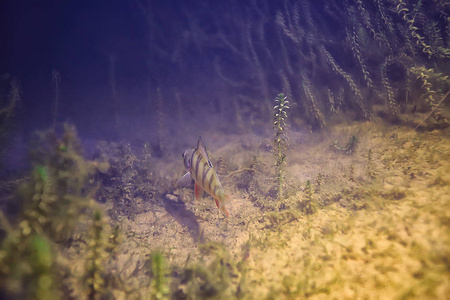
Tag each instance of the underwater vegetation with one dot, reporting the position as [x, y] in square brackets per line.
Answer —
[348, 148]
[361, 209]
[56, 79]
[54, 200]
[386, 58]
[96, 258]
[306, 204]
[371, 211]
[159, 283]
[280, 142]
[9, 102]
[216, 275]
[128, 180]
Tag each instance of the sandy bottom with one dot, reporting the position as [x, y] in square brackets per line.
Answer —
[374, 226]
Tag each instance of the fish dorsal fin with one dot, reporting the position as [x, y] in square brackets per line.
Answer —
[201, 148]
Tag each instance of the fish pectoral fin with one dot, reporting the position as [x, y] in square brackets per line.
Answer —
[217, 202]
[185, 181]
[198, 191]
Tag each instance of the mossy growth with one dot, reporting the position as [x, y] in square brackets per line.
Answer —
[280, 141]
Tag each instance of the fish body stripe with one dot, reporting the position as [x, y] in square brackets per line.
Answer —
[205, 176]
[205, 171]
[215, 189]
[199, 172]
[197, 163]
[211, 181]
[208, 180]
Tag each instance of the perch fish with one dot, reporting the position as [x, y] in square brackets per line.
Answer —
[202, 171]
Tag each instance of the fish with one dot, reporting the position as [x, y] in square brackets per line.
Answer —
[201, 170]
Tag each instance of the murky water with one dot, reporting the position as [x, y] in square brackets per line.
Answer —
[326, 123]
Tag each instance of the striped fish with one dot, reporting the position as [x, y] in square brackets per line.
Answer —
[201, 170]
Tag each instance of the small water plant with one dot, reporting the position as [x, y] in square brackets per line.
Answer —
[280, 141]
[129, 179]
[318, 182]
[96, 257]
[9, 102]
[348, 148]
[351, 176]
[56, 79]
[216, 275]
[306, 203]
[27, 263]
[54, 199]
[159, 282]
[58, 190]
[370, 165]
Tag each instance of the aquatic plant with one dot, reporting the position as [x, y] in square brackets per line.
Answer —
[348, 148]
[161, 132]
[306, 204]
[370, 165]
[54, 199]
[217, 275]
[100, 255]
[114, 92]
[315, 112]
[56, 78]
[348, 78]
[413, 30]
[27, 265]
[57, 191]
[392, 103]
[9, 101]
[129, 180]
[115, 237]
[433, 111]
[426, 78]
[280, 142]
[159, 281]
[338, 45]
[221, 165]
[274, 219]
[354, 40]
[319, 182]
[351, 175]
[96, 257]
